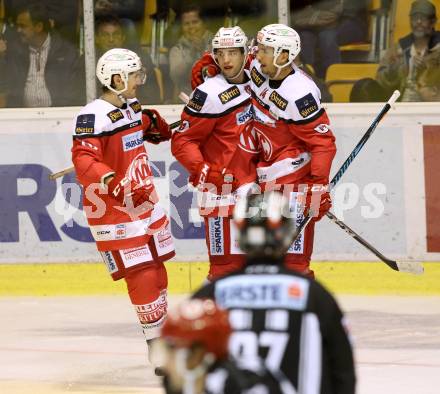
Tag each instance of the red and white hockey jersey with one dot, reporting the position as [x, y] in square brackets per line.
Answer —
[212, 121]
[291, 127]
[106, 140]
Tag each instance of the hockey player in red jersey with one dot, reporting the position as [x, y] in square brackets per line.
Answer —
[296, 144]
[217, 113]
[130, 228]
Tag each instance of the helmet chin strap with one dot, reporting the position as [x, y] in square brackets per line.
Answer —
[279, 68]
[190, 376]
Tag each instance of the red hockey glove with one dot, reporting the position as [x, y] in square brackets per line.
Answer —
[125, 189]
[155, 128]
[317, 200]
[211, 175]
[203, 68]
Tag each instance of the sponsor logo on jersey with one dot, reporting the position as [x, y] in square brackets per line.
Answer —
[229, 94]
[306, 105]
[216, 236]
[134, 256]
[278, 100]
[85, 124]
[322, 128]
[197, 100]
[245, 116]
[261, 117]
[115, 115]
[136, 107]
[256, 77]
[262, 291]
[120, 231]
[109, 261]
[132, 141]
[164, 238]
[297, 208]
[183, 126]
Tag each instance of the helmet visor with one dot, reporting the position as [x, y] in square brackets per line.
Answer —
[140, 75]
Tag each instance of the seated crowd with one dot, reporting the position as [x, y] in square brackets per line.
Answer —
[41, 46]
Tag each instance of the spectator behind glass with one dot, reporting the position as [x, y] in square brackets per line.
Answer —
[400, 65]
[353, 23]
[367, 90]
[109, 35]
[428, 83]
[8, 39]
[326, 96]
[129, 12]
[194, 40]
[317, 22]
[39, 62]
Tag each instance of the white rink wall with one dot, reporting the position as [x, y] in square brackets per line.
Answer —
[382, 195]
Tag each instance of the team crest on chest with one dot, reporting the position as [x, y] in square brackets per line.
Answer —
[278, 100]
[229, 94]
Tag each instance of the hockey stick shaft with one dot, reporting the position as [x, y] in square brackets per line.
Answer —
[68, 170]
[413, 268]
[364, 138]
[351, 156]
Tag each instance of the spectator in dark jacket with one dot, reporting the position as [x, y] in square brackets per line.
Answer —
[402, 62]
[42, 69]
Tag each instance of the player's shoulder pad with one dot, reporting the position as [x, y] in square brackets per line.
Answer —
[304, 102]
[94, 118]
[216, 96]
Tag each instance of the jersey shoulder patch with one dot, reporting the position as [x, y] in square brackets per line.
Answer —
[197, 100]
[85, 124]
[306, 105]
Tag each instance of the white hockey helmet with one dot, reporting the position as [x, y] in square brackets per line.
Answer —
[230, 37]
[280, 37]
[117, 61]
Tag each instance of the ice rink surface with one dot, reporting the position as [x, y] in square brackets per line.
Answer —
[94, 345]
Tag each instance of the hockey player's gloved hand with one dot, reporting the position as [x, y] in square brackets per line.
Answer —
[130, 193]
[203, 68]
[318, 201]
[155, 128]
[211, 175]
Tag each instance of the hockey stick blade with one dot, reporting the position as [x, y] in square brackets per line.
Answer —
[409, 267]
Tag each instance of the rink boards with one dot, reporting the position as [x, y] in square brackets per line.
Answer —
[389, 194]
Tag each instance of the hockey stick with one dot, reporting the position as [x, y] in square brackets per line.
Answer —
[351, 157]
[414, 267]
[410, 267]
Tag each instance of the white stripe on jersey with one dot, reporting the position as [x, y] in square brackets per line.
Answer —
[310, 362]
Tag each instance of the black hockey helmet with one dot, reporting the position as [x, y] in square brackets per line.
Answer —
[265, 225]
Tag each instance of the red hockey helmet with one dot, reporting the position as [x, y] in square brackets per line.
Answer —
[198, 322]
